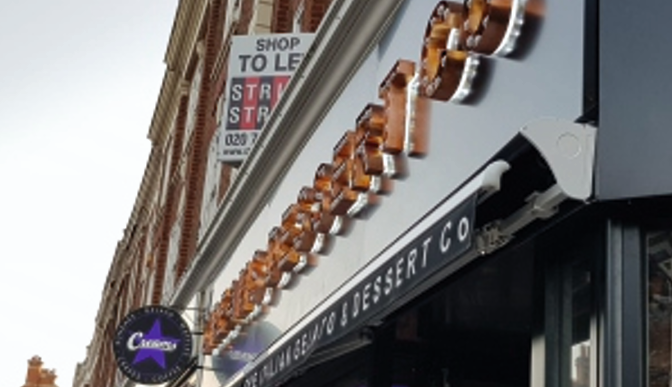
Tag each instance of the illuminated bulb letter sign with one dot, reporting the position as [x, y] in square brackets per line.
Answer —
[368, 157]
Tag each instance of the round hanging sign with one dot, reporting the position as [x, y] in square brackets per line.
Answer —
[153, 345]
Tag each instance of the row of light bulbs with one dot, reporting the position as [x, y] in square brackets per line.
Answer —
[367, 159]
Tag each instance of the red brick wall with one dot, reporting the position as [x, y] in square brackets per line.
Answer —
[246, 13]
[168, 212]
[282, 16]
[203, 132]
[284, 11]
[313, 14]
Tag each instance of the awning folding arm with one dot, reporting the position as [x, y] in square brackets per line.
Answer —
[569, 150]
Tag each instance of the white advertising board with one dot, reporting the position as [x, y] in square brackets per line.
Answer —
[260, 67]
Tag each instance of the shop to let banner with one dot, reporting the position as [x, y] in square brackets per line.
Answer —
[260, 66]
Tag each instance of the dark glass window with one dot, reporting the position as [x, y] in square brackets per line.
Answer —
[659, 256]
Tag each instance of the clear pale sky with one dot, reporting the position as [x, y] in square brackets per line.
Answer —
[79, 80]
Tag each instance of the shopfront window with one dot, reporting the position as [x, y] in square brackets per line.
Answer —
[579, 354]
[569, 323]
[525, 316]
[474, 332]
[659, 255]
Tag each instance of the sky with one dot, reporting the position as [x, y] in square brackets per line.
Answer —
[79, 80]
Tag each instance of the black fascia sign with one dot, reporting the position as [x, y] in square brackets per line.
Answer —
[442, 242]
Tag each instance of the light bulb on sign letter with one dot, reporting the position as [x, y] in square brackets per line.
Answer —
[492, 27]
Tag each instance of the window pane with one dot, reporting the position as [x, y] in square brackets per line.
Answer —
[659, 255]
[581, 311]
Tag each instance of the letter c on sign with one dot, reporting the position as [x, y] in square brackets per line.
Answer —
[130, 344]
[444, 244]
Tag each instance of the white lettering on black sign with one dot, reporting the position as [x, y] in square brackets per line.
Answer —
[443, 242]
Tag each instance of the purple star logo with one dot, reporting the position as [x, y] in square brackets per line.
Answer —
[153, 345]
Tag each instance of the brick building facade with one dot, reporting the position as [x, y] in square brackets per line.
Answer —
[183, 183]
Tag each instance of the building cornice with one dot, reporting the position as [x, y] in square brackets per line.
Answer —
[182, 46]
